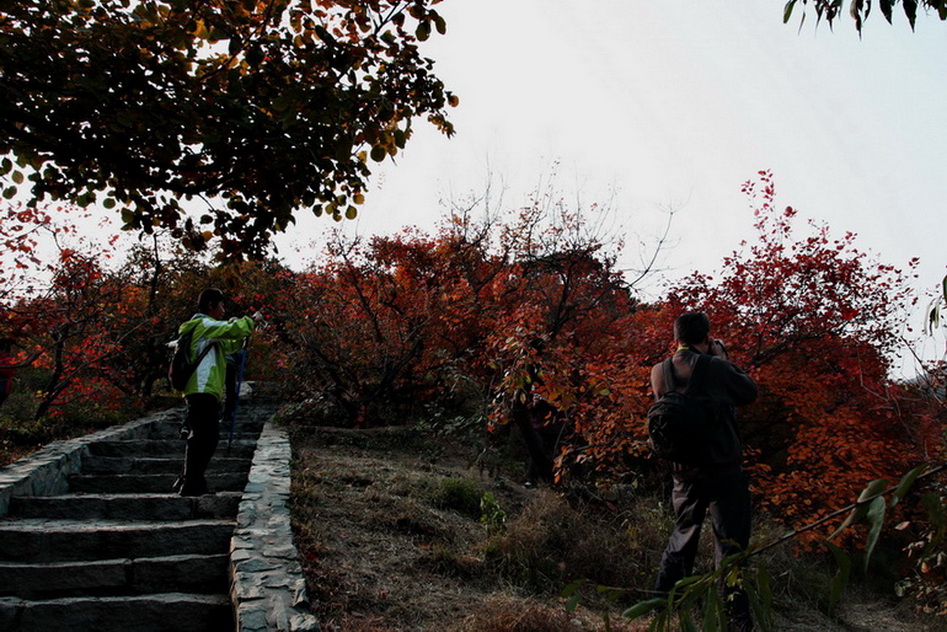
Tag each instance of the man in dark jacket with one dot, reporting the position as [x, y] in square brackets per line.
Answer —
[719, 485]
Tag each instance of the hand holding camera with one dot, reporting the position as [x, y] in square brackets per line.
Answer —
[717, 348]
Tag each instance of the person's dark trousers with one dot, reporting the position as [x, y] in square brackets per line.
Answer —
[4, 393]
[230, 391]
[727, 497]
[202, 414]
[540, 465]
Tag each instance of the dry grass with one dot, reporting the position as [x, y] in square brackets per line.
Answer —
[391, 541]
[551, 543]
[501, 614]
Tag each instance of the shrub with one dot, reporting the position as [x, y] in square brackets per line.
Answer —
[458, 494]
[492, 514]
[551, 544]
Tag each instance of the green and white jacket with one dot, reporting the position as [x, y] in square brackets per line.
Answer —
[226, 336]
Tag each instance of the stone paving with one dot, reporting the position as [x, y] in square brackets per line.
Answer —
[91, 537]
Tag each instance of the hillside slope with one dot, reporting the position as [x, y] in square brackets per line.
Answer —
[393, 537]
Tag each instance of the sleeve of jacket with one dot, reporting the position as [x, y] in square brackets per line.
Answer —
[739, 386]
[229, 333]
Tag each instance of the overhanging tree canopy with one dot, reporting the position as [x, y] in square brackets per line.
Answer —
[258, 107]
[829, 10]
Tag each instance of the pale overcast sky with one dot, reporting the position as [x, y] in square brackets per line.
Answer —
[677, 103]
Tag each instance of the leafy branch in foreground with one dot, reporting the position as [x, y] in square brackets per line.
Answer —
[695, 602]
[935, 307]
[830, 10]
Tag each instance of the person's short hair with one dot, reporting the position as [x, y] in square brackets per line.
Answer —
[691, 328]
[208, 298]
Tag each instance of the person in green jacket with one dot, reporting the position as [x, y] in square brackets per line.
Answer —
[205, 388]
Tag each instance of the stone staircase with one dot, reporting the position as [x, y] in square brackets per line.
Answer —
[112, 548]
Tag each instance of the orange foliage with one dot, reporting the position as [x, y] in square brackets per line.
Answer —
[482, 318]
[815, 321]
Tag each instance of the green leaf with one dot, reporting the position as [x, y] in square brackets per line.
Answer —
[378, 153]
[944, 282]
[910, 10]
[859, 512]
[644, 607]
[787, 10]
[573, 593]
[713, 612]
[687, 581]
[933, 316]
[423, 31]
[9, 192]
[17, 177]
[886, 6]
[876, 518]
[573, 588]
[756, 604]
[323, 34]
[840, 580]
[907, 482]
[661, 621]
[109, 203]
[934, 505]
[687, 623]
[764, 590]
[854, 10]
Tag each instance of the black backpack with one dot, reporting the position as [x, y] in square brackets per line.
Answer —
[181, 368]
[681, 428]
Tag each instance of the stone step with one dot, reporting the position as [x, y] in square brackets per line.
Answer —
[202, 574]
[165, 447]
[159, 465]
[173, 431]
[41, 541]
[132, 507]
[153, 613]
[149, 483]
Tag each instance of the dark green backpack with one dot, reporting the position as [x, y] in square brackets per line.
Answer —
[181, 368]
[680, 427]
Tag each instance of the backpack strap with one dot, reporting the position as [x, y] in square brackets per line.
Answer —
[669, 381]
[204, 352]
[696, 379]
[698, 375]
[200, 356]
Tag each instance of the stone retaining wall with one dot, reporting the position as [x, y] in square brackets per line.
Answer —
[268, 589]
[46, 472]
